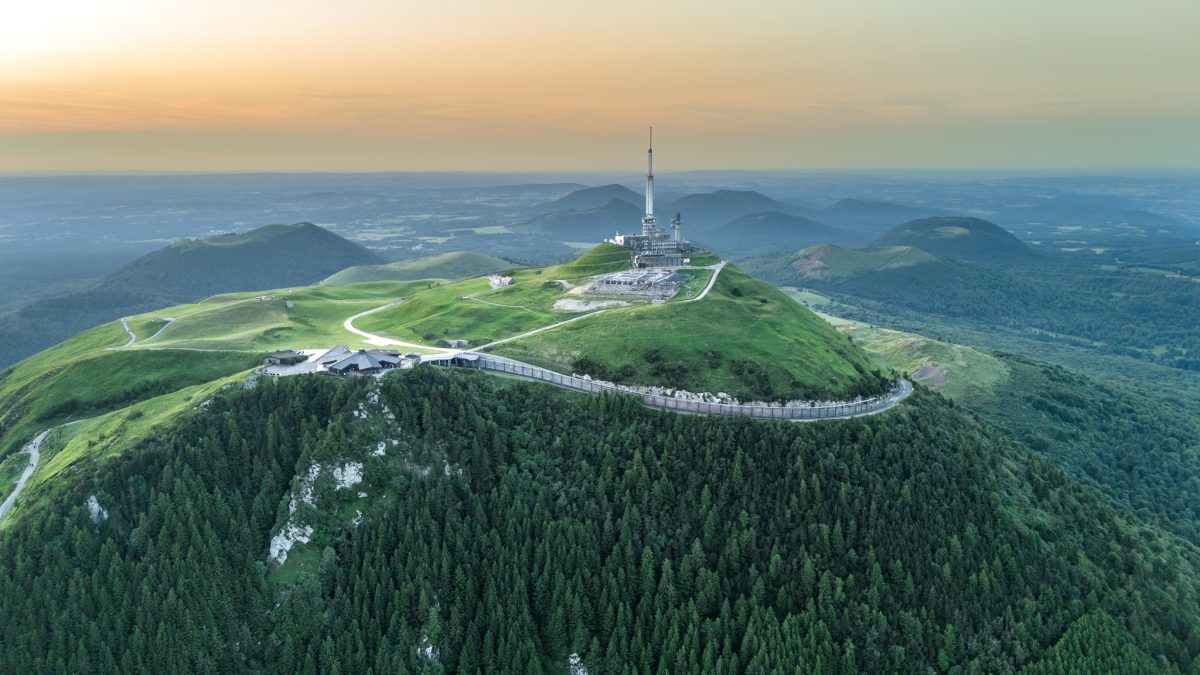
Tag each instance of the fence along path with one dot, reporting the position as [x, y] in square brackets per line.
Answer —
[507, 366]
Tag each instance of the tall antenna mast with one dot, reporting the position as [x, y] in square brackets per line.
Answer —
[649, 223]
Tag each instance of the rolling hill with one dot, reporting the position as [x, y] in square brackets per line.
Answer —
[591, 198]
[453, 265]
[586, 225]
[708, 210]
[769, 231]
[745, 338]
[962, 239]
[268, 257]
[870, 216]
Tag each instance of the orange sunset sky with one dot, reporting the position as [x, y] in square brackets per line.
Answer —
[185, 85]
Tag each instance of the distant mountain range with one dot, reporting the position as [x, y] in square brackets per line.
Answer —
[738, 222]
[268, 257]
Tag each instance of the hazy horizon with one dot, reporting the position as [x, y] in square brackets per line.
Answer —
[476, 86]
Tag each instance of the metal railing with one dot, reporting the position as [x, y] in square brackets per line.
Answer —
[815, 412]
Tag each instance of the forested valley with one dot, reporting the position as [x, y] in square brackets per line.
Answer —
[1109, 311]
[589, 531]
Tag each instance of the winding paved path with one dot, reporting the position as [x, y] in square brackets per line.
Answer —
[379, 340]
[133, 337]
[711, 281]
[34, 449]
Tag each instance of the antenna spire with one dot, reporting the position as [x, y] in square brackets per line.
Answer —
[648, 223]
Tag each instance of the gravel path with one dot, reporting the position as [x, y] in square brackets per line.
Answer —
[133, 338]
[125, 325]
[169, 320]
[34, 449]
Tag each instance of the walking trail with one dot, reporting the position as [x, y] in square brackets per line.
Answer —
[34, 449]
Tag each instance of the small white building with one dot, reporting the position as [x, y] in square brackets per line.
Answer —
[498, 281]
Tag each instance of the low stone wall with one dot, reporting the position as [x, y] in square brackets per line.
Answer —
[816, 412]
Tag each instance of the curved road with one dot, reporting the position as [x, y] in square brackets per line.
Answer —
[34, 449]
[133, 338]
[379, 340]
[125, 325]
[711, 281]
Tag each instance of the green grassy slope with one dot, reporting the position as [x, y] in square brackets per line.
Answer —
[84, 377]
[95, 372]
[454, 265]
[745, 338]
[264, 321]
[10, 471]
[113, 432]
[962, 373]
[445, 312]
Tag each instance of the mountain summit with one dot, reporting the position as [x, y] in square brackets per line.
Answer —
[267, 257]
[959, 238]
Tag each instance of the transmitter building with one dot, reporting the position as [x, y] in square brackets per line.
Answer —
[654, 246]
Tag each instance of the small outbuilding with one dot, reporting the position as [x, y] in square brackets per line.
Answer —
[284, 358]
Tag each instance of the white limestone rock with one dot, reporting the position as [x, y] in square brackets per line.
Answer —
[99, 513]
[288, 536]
[348, 475]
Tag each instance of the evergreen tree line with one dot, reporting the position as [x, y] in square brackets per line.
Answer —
[643, 541]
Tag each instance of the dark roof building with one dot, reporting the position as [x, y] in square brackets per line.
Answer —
[365, 362]
[333, 355]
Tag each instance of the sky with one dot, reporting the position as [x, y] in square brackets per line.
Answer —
[533, 85]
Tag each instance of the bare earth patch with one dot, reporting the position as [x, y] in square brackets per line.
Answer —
[935, 375]
[572, 305]
[813, 266]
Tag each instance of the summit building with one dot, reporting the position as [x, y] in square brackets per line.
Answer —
[654, 246]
